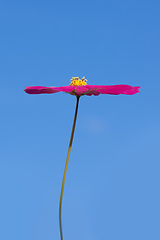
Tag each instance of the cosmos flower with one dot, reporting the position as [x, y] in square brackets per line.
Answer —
[79, 87]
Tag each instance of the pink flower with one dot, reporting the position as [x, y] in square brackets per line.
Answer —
[79, 88]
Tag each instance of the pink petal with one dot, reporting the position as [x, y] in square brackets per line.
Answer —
[114, 89]
[39, 90]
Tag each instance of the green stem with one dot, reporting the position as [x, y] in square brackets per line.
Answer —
[65, 169]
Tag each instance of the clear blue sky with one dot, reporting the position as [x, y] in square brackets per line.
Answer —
[112, 185]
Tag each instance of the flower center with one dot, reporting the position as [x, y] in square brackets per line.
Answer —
[75, 81]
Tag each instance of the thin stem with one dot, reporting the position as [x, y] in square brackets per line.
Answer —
[65, 169]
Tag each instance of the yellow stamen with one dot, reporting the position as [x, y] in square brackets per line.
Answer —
[75, 81]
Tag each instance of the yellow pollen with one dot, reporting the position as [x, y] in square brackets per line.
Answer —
[75, 81]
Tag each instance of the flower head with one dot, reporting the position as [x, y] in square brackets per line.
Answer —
[79, 87]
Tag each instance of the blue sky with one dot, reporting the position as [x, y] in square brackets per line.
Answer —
[112, 184]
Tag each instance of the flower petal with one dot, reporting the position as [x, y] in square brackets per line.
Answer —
[114, 89]
[40, 89]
